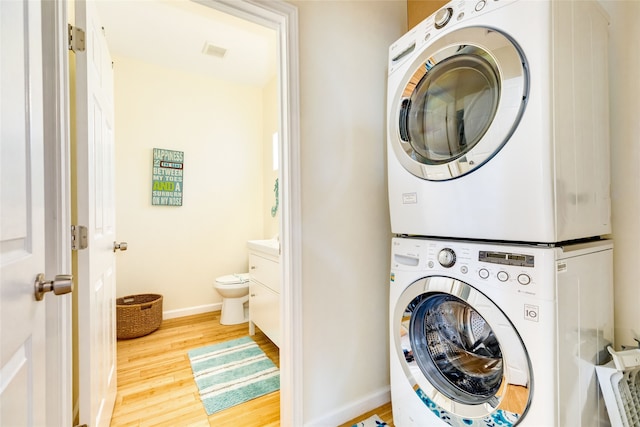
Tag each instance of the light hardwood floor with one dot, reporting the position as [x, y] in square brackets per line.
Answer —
[156, 386]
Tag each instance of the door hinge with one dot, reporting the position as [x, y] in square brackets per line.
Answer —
[78, 237]
[76, 38]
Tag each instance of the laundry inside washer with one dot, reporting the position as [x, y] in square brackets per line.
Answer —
[456, 347]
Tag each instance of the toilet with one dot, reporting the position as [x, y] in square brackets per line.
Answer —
[234, 290]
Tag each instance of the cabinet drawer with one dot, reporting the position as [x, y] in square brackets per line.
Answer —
[265, 271]
[264, 311]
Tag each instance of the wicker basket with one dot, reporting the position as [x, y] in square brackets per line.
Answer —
[138, 315]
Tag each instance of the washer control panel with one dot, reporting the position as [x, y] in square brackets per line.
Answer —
[507, 258]
[512, 267]
[521, 269]
[507, 267]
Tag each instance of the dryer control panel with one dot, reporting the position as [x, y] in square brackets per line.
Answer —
[453, 13]
[456, 11]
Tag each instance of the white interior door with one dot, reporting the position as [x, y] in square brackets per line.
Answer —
[95, 210]
[22, 254]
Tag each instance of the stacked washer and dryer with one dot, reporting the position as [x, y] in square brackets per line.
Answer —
[501, 300]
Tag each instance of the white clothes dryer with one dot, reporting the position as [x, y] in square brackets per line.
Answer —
[499, 335]
[498, 122]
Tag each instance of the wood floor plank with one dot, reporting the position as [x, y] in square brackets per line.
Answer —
[155, 381]
[384, 412]
[156, 386]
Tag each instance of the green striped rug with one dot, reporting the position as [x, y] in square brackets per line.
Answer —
[372, 421]
[232, 372]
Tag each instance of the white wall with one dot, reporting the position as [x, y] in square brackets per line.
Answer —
[345, 213]
[625, 158]
[179, 251]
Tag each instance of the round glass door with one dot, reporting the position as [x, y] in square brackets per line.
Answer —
[456, 349]
[461, 354]
[461, 101]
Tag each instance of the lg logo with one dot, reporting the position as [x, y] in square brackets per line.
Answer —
[531, 312]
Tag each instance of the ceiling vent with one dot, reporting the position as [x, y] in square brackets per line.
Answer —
[213, 50]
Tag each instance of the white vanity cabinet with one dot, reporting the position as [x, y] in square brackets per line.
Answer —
[264, 292]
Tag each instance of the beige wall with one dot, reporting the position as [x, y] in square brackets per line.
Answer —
[179, 251]
[625, 158]
[345, 213]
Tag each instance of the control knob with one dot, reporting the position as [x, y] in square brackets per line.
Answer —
[447, 257]
[442, 17]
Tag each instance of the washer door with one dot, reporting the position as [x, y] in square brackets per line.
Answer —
[460, 353]
[458, 104]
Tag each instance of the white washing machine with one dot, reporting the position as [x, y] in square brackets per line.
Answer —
[498, 335]
[498, 122]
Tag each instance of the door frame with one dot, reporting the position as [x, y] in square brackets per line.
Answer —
[278, 15]
[57, 166]
[283, 17]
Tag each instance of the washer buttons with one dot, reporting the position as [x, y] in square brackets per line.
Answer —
[503, 276]
[430, 264]
[480, 5]
[524, 279]
[483, 273]
[464, 269]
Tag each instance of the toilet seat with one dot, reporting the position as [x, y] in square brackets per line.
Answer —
[233, 279]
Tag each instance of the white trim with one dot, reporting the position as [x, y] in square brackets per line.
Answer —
[59, 369]
[190, 311]
[353, 410]
[283, 17]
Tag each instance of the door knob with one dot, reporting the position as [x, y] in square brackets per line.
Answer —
[122, 246]
[62, 284]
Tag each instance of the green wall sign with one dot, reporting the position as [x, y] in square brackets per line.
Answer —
[168, 169]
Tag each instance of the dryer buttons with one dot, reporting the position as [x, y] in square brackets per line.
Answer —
[480, 5]
[503, 276]
[447, 257]
[524, 279]
[483, 273]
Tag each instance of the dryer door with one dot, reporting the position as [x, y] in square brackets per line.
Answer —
[458, 104]
[461, 354]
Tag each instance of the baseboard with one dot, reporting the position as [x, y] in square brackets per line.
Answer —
[189, 311]
[353, 409]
